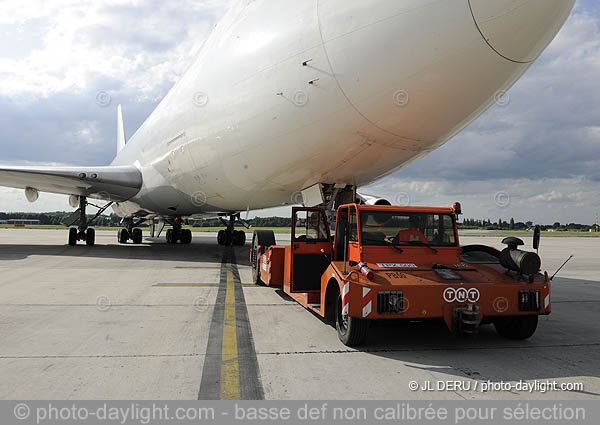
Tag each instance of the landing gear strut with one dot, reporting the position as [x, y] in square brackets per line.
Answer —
[83, 232]
[230, 236]
[130, 232]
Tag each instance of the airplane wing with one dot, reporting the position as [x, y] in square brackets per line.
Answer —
[111, 183]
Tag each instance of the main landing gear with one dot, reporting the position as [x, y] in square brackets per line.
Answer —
[177, 234]
[230, 236]
[83, 232]
[130, 232]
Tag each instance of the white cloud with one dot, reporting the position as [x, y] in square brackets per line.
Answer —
[138, 44]
[13, 200]
[541, 200]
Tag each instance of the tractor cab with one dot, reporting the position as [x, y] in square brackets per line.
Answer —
[382, 235]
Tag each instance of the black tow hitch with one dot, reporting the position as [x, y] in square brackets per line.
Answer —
[464, 320]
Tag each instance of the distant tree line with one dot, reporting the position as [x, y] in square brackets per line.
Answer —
[57, 218]
[254, 222]
[470, 223]
[113, 220]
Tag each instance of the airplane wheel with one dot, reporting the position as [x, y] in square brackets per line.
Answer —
[221, 237]
[72, 236]
[351, 330]
[516, 327]
[239, 237]
[123, 236]
[186, 236]
[90, 237]
[171, 236]
[136, 236]
[228, 239]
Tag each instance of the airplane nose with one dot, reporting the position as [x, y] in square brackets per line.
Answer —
[520, 30]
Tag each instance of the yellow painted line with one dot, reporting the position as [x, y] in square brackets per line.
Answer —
[230, 369]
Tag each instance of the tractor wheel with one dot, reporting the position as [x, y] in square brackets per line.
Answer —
[351, 331]
[255, 261]
[516, 327]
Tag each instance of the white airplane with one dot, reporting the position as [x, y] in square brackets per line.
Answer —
[310, 97]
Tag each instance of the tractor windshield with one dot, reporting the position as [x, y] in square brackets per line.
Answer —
[382, 228]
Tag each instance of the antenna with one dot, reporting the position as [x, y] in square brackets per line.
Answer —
[560, 268]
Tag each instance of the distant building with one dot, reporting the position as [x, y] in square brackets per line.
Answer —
[20, 222]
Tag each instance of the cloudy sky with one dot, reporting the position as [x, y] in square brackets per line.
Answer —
[65, 65]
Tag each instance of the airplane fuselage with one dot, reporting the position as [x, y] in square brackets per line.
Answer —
[288, 94]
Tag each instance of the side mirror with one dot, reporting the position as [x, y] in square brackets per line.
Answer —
[537, 234]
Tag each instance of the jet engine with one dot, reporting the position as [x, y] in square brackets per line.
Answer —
[371, 200]
[31, 194]
[74, 201]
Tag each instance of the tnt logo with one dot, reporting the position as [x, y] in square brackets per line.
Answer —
[461, 295]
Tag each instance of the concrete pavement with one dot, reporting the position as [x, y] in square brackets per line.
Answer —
[134, 322]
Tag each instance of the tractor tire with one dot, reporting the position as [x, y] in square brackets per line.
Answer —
[516, 327]
[351, 330]
[261, 241]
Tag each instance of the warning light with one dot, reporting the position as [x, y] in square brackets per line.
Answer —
[457, 208]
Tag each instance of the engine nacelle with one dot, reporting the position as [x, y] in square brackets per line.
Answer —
[371, 200]
[32, 194]
[74, 201]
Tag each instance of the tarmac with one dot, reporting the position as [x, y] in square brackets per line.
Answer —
[158, 321]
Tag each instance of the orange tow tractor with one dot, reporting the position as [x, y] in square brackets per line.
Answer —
[390, 262]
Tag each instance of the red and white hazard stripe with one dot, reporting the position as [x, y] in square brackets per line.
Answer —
[345, 298]
[367, 303]
[269, 266]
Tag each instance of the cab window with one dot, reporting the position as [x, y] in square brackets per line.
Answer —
[310, 226]
[384, 228]
[353, 223]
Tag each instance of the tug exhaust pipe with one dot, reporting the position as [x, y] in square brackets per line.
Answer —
[523, 262]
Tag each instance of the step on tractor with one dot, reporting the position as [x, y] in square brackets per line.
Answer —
[394, 262]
